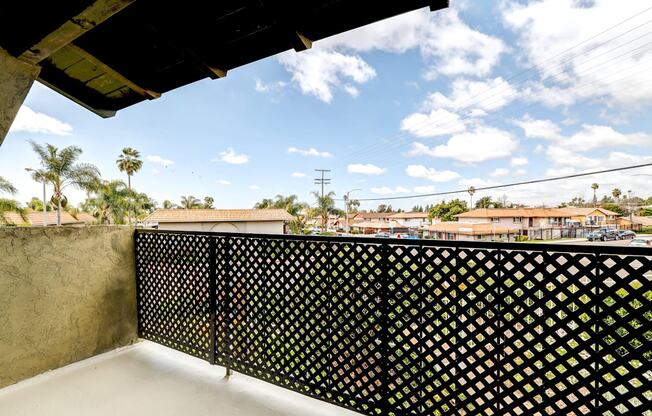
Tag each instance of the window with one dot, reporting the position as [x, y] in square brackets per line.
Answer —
[495, 219]
[518, 220]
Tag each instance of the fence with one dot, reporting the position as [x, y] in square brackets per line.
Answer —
[409, 327]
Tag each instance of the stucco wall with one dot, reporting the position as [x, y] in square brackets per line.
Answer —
[65, 294]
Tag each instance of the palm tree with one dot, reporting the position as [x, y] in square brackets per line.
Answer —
[6, 204]
[109, 203]
[167, 204]
[595, 187]
[471, 191]
[616, 194]
[190, 202]
[60, 169]
[130, 163]
[325, 207]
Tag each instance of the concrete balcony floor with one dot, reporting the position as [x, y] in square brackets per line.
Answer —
[148, 379]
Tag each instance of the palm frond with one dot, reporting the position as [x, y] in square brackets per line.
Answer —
[7, 186]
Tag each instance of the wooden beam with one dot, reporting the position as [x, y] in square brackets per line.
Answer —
[149, 94]
[91, 17]
[300, 42]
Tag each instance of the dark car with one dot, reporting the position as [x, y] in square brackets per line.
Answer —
[603, 235]
[626, 235]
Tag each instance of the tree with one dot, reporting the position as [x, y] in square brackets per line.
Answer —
[208, 202]
[292, 205]
[446, 211]
[6, 204]
[61, 169]
[616, 194]
[36, 204]
[354, 205]
[487, 202]
[110, 202]
[595, 187]
[130, 163]
[325, 205]
[615, 208]
[190, 202]
[168, 204]
[471, 192]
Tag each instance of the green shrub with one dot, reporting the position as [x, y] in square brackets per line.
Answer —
[521, 238]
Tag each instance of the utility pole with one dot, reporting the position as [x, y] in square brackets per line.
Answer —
[323, 180]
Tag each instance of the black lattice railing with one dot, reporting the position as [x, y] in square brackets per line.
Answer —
[410, 327]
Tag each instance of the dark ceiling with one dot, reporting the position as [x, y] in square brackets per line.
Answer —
[148, 47]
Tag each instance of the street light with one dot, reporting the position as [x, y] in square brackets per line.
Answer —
[39, 174]
[346, 208]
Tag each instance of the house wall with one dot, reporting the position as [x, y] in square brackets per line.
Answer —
[66, 294]
[254, 227]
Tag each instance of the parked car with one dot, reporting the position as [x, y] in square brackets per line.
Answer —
[626, 235]
[641, 242]
[383, 235]
[603, 235]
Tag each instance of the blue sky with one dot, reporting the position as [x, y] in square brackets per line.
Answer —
[478, 94]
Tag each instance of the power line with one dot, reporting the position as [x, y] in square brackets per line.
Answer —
[530, 182]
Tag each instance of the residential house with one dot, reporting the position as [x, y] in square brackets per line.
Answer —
[592, 217]
[469, 231]
[634, 223]
[373, 216]
[414, 220]
[373, 227]
[545, 223]
[269, 221]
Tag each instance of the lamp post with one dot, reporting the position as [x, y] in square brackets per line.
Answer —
[39, 174]
[346, 208]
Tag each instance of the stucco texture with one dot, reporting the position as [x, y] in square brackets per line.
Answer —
[66, 294]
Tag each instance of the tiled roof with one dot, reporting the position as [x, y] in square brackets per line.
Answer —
[515, 212]
[587, 211]
[471, 228]
[378, 225]
[373, 215]
[217, 215]
[35, 218]
[647, 221]
[408, 215]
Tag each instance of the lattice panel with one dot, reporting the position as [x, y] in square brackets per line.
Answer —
[174, 301]
[625, 336]
[357, 326]
[548, 322]
[409, 328]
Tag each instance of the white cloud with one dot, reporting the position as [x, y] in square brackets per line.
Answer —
[230, 156]
[159, 160]
[483, 143]
[561, 156]
[478, 182]
[552, 172]
[437, 123]
[309, 152]
[298, 175]
[520, 172]
[34, 122]
[224, 182]
[318, 71]
[547, 28]
[539, 129]
[424, 189]
[478, 96]
[386, 190]
[254, 187]
[433, 175]
[498, 172]
[155, 171]
[365, 169]
[594, 137]
[519, 161]
[446, 43]
[269, 87]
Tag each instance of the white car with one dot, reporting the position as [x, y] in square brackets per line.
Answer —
[641, 242]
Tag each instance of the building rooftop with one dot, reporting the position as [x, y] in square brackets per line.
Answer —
[217, 215]
[109, 54]
[471, 228]
[35, 218]
[586, 211]
[378, 225]
[149, 379]
[515, 212]
[409, 215]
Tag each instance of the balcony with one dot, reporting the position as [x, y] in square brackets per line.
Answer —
[373, 326]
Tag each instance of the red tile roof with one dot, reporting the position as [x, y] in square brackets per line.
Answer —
[217, 215]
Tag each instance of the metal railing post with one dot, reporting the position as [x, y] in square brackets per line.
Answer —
[212, 295]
